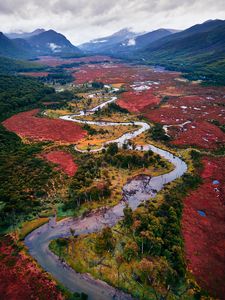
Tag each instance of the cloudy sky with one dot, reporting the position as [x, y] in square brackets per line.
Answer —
[83, 20]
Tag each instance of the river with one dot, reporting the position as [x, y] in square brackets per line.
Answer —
[134, 192]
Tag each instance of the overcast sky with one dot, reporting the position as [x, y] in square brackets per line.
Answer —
[83, 20]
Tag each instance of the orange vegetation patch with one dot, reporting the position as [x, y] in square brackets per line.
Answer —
[205, 235]
[20, 278]
[112, 73]
[138, 101]
[27, 125]
[35, 74]
[200, 134]
[57, 61]
[63, 159]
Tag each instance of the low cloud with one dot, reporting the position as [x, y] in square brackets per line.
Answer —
[83, 20]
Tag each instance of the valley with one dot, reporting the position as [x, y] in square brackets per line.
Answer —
[112, 173]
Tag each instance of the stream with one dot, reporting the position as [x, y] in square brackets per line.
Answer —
[134, 192]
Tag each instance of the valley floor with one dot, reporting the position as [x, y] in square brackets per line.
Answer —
[189, 119]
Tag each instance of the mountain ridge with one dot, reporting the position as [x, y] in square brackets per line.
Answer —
[47, 42]
[24, 35]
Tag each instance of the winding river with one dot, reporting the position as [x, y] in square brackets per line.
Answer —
[134, 192]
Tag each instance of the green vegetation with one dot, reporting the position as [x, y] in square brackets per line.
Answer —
[197, 51]
[24, 179]
[143, 254]
[97, 85]
[157, 133]
[92, 183]
[19, 93]
[113, 107]
[29, 226]
[110, 109]
[58, 77]
[12, 66]
[218, 124]
[133, 160]
[93, 131]
[71, 296]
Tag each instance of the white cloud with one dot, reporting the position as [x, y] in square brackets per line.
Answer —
[83, 20]
[131, 42]
[54, 47]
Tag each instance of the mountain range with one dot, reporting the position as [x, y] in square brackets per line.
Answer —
[107, 43]
[198, 50]
[124, 41]
[24, 35]
[38, 42]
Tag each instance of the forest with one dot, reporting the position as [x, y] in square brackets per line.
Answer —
[24, 176]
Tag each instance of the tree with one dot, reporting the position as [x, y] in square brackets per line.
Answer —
[128, 216]
[112, 149]
[157, 273]
[119, 262]
[97, 85]
[104, 241]
[130, 251]
[157, 133]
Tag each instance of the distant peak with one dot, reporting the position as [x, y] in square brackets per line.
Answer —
[209, 21]
[51, 31]
[123, 31]
[39, 30]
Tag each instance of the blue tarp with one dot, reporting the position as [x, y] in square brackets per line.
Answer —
[216, 182]
[201, 213]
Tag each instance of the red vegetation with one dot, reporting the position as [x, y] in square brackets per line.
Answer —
[20, 278]
[108, 73]
[27, 125]
[138, 101]
[199, 111]
[205, 236]
[181, 109]
[57, 61]
[35, 74]
[63, 159]
[201, 134]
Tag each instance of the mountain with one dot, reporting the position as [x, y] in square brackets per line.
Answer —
[24, 35]
[130, 45]
[104, 44]
[150, 37]
[10, 48]
[51, 42]
[23, 45]
[124, 42]
[40, 42]
[200, 48]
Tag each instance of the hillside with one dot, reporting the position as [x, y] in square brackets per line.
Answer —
[37, 43]
[50, 42]
[24, 35]
[199, 50]
[150, 37]
[106, 44]
[124, 42]
[9, 48]
[12, 66]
